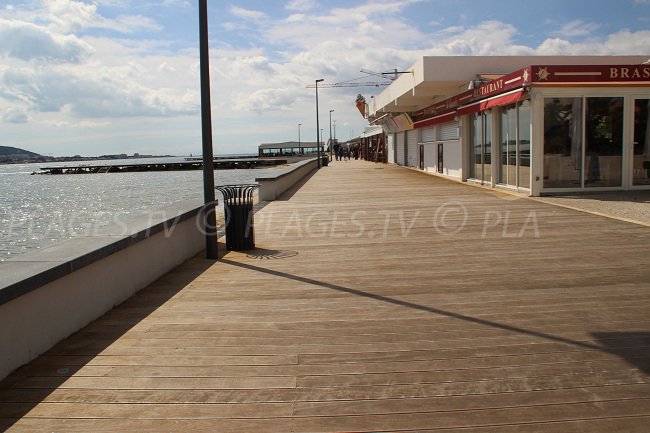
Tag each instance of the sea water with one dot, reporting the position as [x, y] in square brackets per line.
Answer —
[39, 210]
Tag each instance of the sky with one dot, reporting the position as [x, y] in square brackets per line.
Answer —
[89, 78]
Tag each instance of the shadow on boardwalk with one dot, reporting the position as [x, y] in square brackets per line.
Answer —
[18, 396]
[633, 347]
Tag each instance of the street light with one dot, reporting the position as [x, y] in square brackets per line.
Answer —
[299, 146]
[317, 124]
[331, 142]
[210, 219]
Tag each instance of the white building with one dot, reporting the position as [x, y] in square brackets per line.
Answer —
[534, 124]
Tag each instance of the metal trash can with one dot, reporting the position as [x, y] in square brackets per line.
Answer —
[238, 212]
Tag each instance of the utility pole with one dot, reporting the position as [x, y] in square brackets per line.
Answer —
[317, 124]
[331, 142]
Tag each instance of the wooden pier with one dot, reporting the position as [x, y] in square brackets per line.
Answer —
[188, 164]
[379, 299]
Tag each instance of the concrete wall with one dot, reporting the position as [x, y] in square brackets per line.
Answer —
[47, 295]
[272, 187]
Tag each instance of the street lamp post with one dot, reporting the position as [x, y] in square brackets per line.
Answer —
[331, 142]
[317, 124]
[299, 145]
[210, 219]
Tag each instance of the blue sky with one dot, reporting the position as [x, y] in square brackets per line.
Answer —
[119, 76]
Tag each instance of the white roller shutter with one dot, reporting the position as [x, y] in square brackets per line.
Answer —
[449, 131]
[390, 147]
[412, 144]
[428, 134]
[399, 148]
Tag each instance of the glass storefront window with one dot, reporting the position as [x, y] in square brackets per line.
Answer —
[476, 154]
[524, 144]
[514, 164]
[641, 165]
[508, 143]
[583, 142]
[481, 147]
[603, 142]
[487, 147]
[563, 143]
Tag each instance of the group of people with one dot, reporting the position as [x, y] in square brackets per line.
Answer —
[343, 152]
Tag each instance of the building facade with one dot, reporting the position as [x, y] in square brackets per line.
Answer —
[550, 125]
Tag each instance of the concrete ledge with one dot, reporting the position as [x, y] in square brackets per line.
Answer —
[271, 187]
[49, 294]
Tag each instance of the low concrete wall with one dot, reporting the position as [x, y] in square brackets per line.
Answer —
[47, 295]
[271, 187]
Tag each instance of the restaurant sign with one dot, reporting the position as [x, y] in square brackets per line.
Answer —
[590, 74]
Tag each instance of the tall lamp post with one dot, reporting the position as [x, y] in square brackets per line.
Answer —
[212, 251]
[317, 124]
[331, 142]
[299, 145]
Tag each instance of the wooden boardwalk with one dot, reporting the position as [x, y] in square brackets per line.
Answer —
[379, 300]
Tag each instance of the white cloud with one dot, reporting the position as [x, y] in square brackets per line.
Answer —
[120, 84]
[15, 115]
[487, 38]
[28, 41]
[177, 3]
[68, 16]
[230, 26]
[83, 124]
[301, 5]
[576, 28]
[247, 13]
[623, 42]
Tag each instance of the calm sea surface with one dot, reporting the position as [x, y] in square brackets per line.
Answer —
[36, 211]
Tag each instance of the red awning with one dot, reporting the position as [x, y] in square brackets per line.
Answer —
[435, 120]
[508, 98]
[469, 109]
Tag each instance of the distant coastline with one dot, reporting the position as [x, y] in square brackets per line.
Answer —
[14, 155]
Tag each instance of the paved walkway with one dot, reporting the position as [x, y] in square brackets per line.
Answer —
[378, 300]
[632, 206]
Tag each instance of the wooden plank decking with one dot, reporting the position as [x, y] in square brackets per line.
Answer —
[379, 299]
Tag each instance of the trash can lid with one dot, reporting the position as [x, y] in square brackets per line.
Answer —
[240, 192]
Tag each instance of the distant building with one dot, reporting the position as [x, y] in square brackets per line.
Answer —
[288, 148]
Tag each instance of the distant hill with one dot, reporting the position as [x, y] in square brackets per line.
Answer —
[14, 153]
